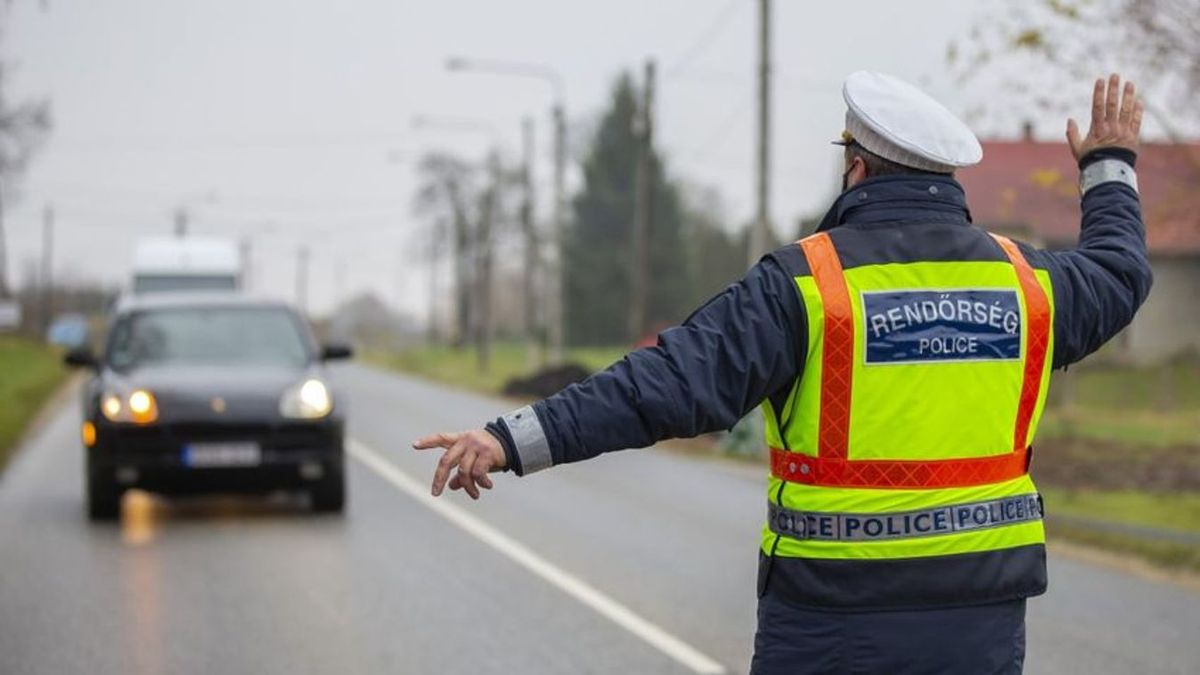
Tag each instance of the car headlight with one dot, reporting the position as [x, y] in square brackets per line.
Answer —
[111, 406]
[309, 399]
[139, 407]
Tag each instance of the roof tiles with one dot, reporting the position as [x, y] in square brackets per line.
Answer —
[1034, 184]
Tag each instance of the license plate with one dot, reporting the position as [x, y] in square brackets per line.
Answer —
[203, 455]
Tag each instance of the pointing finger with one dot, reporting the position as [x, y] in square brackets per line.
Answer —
[435, 441]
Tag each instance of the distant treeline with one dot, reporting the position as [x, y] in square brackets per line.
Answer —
[477, 210]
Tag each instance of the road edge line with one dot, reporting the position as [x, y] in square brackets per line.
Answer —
[585, 593]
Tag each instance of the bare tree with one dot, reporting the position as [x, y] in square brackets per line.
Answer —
[1029, 48]
[23, 127]
[490, 206]
[448, 184]
[482, 205]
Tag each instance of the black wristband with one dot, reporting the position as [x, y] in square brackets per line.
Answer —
[512, 460]
[1124, 154]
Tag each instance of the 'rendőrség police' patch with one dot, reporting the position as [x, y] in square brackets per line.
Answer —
[942, 325]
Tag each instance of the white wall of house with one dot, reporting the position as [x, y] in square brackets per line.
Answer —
[1169, 322]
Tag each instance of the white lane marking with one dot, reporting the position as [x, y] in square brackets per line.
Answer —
[577, 588]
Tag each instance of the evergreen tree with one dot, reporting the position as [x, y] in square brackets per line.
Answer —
[598, 246]
[716, 256]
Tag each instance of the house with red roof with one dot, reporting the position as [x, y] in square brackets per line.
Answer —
[1029, 190]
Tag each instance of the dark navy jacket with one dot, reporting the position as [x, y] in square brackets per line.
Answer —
[748, 343]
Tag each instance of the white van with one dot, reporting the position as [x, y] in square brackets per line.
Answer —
[186, 264]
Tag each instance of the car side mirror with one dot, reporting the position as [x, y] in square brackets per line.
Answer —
[332, 352]
[81, 357]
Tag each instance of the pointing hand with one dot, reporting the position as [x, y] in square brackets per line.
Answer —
[473, 453]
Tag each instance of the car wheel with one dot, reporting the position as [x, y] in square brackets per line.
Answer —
[103, 498]
[329, 494]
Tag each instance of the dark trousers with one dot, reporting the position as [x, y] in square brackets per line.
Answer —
[979, 640]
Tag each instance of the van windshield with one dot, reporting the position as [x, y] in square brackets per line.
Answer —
[156, 283]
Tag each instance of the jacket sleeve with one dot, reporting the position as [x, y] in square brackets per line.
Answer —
[1099, 284]
[739, 348]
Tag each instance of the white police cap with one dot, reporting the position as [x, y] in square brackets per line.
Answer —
[899, 122]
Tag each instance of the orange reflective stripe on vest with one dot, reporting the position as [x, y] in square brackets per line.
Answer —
[795, 467]
[832, 466]
[1037, 309]
[837, 356]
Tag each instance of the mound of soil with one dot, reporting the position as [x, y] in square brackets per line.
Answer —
[1080, 463]
[546, 382]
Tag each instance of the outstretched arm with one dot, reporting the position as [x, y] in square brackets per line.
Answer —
[740, 347]
[1101, 283]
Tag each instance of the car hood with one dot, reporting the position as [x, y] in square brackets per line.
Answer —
[234, 393]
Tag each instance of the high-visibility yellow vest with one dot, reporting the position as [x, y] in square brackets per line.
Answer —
[907, 435]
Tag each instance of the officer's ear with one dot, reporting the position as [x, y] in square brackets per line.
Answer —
[856, 172]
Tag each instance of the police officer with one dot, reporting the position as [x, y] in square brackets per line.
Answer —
[901, 358]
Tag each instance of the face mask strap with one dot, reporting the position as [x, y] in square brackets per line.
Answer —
[848, 143]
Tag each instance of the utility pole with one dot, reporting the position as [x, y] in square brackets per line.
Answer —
[181, 222]
[555, 316]
[760, 228]
[434, 251]
[484, 284]
[643, 208]
[529, 277]
[555, 260]
[339, 281]
[463, 250]
[3, 250]
[47, 299]
[244, 251]
[302, 279]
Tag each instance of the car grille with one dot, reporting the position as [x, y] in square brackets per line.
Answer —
[269, 436]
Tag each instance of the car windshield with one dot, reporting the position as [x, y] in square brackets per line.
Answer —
[209, 336]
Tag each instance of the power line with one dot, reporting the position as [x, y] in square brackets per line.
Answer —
[719, 22]
[716, 139]
[760, 229]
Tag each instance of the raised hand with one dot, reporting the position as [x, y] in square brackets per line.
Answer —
[472, 453]
[1116, 119]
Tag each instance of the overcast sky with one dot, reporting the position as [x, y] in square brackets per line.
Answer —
[276, 118]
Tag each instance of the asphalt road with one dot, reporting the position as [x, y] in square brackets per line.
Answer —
[641, 562]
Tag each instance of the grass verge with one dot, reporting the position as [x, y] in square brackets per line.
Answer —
[1150, 406]
[1177, 512]
[1161, 528]
[460, 367]
[1142, 428]
[1158, 552]
[29, 374]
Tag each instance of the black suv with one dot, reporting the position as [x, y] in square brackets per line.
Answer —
[210, 393]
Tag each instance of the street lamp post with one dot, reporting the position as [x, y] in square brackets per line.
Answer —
[181, 217]
[554, 261]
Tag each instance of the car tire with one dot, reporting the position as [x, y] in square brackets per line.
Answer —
[103, 498]
[329, 494]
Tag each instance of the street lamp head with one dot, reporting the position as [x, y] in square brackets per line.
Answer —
[540, 71]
